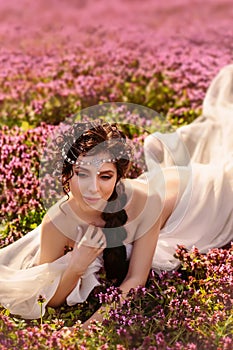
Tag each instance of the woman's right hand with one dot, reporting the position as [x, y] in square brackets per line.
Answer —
[87, 250]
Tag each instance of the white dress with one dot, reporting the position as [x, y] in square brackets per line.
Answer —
[203, 217]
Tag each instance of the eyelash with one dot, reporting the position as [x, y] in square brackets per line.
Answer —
[103, 177]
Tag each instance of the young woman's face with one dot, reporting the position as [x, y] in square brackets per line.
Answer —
[92, 185]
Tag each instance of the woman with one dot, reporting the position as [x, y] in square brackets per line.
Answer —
[128, 225]
[100, 213]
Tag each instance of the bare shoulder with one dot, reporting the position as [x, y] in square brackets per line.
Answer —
[140, 198]
[48, 225]
[52, 241]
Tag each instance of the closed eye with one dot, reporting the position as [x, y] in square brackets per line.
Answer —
[79, 174]
[105, 177]
[102, 176]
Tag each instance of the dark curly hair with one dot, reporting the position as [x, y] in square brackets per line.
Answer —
[90, 137]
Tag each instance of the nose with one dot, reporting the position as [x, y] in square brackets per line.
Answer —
[93, 186]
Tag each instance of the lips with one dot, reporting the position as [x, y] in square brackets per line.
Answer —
[91, 199]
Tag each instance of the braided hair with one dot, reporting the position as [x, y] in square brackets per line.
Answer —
[115, 216]
[82, 138]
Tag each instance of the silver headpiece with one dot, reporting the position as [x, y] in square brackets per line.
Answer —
[95, 162]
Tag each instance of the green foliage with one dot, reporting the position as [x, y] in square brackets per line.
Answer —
[187, 309]
[44, 101]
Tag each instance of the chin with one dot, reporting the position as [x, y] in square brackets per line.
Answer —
[100, 205]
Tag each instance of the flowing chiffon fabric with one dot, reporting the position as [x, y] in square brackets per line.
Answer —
[203, 216]
[204, 148]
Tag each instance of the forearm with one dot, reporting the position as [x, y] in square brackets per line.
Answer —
[67, 283]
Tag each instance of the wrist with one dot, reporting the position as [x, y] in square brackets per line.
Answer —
[75, 270]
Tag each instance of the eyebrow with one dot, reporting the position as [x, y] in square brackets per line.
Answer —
[100, 172]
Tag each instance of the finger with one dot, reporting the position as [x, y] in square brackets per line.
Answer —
[102, 246]
[97, 234]
[91, 231]
[102, 241]
[93, 236]
[99, 237]
[79, 233]
[94, 232]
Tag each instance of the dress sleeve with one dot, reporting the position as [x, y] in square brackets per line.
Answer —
[85, 284]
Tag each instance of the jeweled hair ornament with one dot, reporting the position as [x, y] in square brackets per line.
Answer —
[95, 162]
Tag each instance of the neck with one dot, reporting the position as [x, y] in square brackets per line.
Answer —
[90, 215]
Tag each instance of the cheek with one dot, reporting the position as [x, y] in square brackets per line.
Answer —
[76, 185]
[109, 188]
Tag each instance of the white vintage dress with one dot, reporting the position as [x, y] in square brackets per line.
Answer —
[203, 216]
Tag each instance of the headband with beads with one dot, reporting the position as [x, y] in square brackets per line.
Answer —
[95, 162]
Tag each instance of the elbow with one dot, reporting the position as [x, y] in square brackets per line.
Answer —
[55, 302]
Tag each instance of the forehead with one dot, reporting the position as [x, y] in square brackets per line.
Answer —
[100, 161]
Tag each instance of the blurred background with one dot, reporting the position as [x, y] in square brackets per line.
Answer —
[57, 56]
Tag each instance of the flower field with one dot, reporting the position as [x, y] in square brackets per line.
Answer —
[58, 57]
